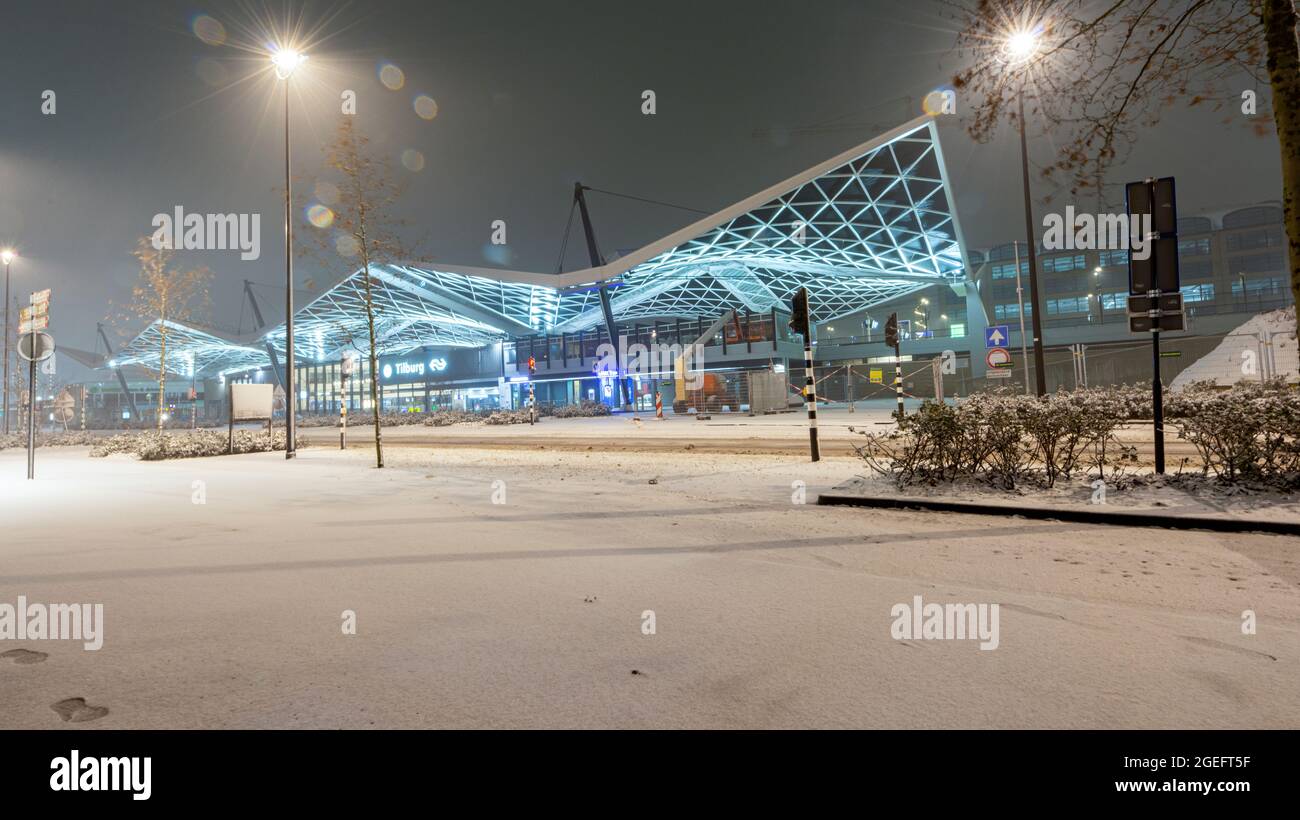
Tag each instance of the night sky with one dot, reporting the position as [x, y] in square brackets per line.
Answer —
[531, 96]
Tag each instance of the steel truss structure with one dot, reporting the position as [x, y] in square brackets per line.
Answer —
[874, 223]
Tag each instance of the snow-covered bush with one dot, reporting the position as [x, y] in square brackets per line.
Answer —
[72, 438]
[1249, 432]
[585, 409]
[1002, 437]
[508, 417]
[196, 444]
[446, 418]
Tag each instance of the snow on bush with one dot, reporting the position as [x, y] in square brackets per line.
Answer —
[69, 439]
[1248, 433]
[1251, 432]
[586, 409]
[196, 444]
[1002, 437]
[508, 417]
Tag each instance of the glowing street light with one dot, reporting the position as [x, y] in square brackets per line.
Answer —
[1021, 46]
[7, 255]
[286, 60]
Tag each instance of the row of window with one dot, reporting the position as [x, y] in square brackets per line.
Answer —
[1118, 300]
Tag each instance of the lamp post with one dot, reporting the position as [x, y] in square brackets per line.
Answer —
[1020, 48]
[6, 256]
[285, 61]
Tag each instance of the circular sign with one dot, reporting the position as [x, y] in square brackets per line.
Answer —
[44, 346]
[64, 406]
[998, 357]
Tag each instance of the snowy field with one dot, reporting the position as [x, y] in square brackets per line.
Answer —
[530, 613]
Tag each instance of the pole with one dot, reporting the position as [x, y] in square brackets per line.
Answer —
[532, 402]
[1157, 402]
[343, 412]
[898, 379]
[6, 368]
[1040, 373]
[290, 393]
[810, 394]
[1020, 308]
[31, 410]
[848, 386]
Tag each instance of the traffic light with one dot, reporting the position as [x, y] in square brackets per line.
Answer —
[532, 365]
[891, 330]
[799, 312]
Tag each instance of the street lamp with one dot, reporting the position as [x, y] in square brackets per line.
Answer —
[6, 256]
[286, 60]
[1020, 48]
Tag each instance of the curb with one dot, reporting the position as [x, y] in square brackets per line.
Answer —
[1112, 517]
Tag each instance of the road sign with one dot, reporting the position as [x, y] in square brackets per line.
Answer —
[33, 311]
[996, 336]
[998, 357]
[41, 296]
[998, 373]
[44, 346]
[64, 406]
[33, 325]
[877, 375]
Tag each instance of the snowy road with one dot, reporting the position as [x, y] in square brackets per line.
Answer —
[530, 613]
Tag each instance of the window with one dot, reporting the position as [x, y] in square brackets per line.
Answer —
[1114, 301]
[1011, 311]
[1058, 264]
[1007, 270]
[1198, 293]
[957, 330]
[1073, 305]
[1258, 215]
[1250, 240]
[1257, 263]
[1111, 259]
[1258, 287]
[1199, 266]
[1194, 247]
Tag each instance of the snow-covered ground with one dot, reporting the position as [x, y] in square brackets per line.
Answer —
[529, 613]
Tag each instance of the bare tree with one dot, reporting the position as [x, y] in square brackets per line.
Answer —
[1105, 69]
[166, 293]
[365, 233]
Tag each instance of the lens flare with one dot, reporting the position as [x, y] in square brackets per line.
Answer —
[347, 245]
[208, 30]
[391, 76]
[319, 215]
[425, 107]
[327, 192]
[413, 160]
[211, 72]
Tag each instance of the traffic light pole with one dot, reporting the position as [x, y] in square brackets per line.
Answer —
[31, 410]
[1158, 402]
[898, 379]
[810, 395]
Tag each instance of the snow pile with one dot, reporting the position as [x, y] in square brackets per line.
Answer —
[1241, 354]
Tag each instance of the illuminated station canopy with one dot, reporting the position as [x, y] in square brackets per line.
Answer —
[866, 226]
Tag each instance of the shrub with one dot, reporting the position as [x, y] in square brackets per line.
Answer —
[1250, 432]
[582, 410]
[197, 444]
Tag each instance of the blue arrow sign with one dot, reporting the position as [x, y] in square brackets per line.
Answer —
[996, 336]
